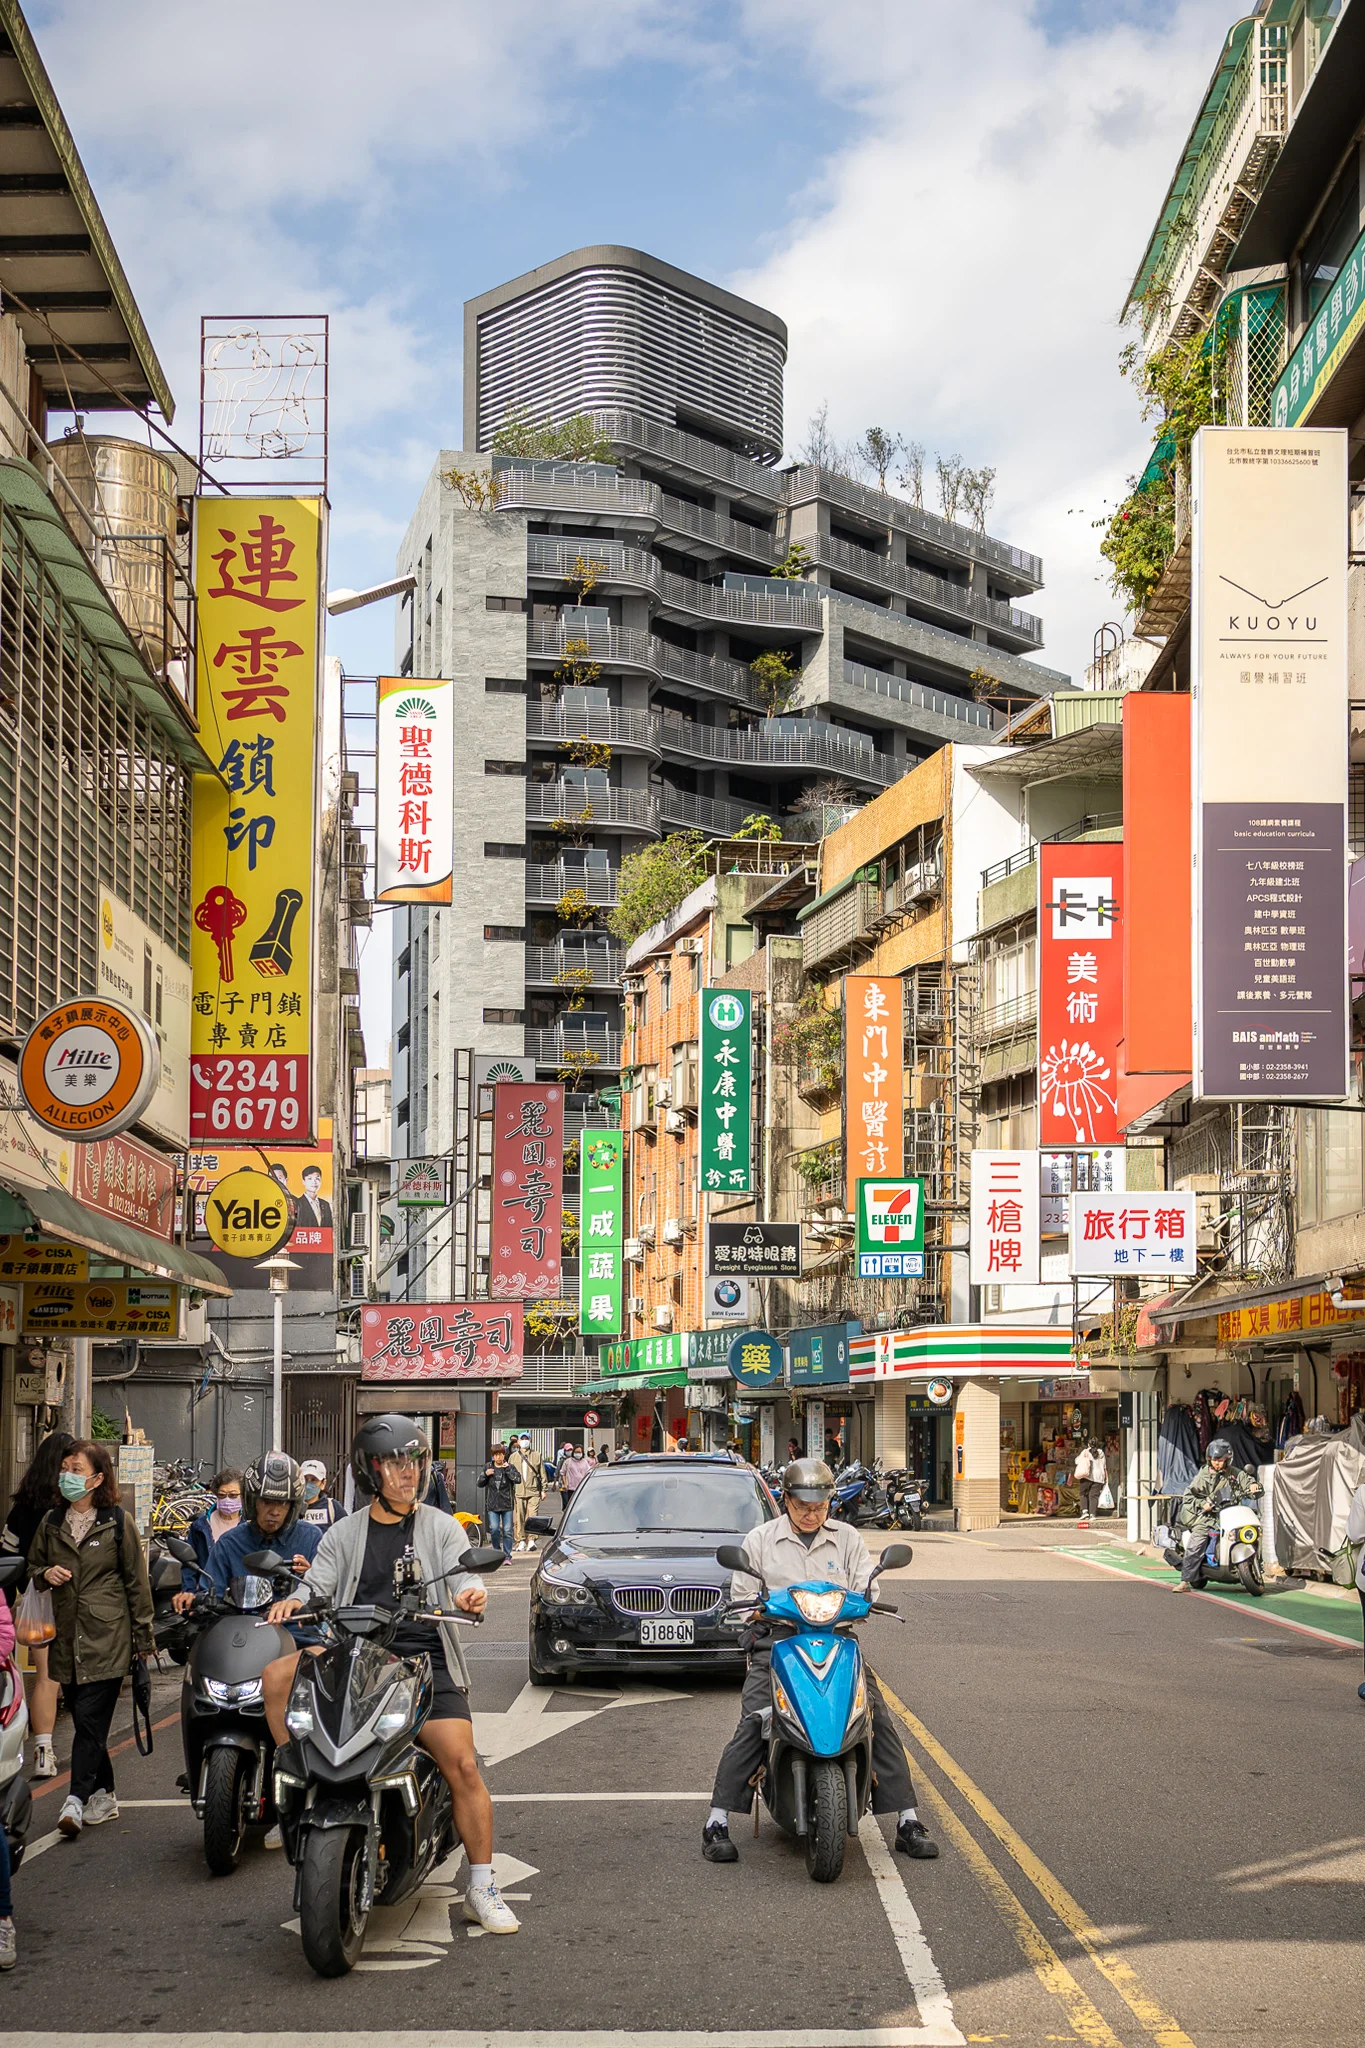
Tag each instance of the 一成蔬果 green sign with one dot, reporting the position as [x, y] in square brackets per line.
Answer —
[601, 1234]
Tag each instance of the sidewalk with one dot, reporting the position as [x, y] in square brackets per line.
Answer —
[1330, 1610]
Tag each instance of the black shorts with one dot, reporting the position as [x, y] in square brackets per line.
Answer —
[448, 1703]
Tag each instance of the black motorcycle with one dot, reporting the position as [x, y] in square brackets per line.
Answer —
[364, 1810]
[229, 1750]
[905, 1497]
[171, 1632]
[860, 1498]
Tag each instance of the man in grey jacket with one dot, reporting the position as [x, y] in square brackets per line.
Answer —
[356, 1564]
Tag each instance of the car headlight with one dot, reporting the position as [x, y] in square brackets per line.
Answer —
[818, 1607]
[232, 1695]
[397, 1710]
[563, 1592]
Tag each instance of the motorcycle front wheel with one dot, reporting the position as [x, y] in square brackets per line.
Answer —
[227, 1784]
[331, 1920]
[1249, 1572]
[827, 1824]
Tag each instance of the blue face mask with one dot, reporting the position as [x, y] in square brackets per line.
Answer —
[72, 1486]
[311, 1489]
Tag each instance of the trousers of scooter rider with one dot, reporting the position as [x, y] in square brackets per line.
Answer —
[892, 1791]
[1192, 1563]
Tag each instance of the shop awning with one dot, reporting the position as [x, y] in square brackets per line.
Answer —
[631, 1382]
[60, 1215]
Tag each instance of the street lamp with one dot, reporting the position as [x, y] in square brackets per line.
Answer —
[277, 1269]
[351, 600]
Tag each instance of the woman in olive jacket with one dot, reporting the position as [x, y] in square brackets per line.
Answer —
[89, 1553]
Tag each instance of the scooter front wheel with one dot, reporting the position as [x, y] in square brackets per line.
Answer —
[331, 1918]
[1249, 1572]
[827, 1821]
[227, 1783]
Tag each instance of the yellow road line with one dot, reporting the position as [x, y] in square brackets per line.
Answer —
[1155, 2020]
[1085, 2019]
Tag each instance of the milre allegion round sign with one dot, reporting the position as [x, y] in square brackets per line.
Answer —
[89, 1068]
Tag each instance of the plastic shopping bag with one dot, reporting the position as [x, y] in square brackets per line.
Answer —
[1107, 1499]
[33, 1618]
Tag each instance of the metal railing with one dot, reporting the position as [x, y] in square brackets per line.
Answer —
[550, 963]
[633, 430]
[1013, 1014]
[621, 727]
[628, 647]
[837, 928]
[632, 498]
[591, 807]
[553, 1372]
[547, 882]
[888, 510]
[553, 1044]
[943, 702]
[706, 813]
[787, 604]
[1093, 821]
[1000, 870]
[819, 746]
[613, 561]
[927, 589]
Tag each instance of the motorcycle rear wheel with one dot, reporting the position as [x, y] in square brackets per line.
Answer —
[226, 1785]
[827, 1821]
[330, 1919]
[1249, 1572]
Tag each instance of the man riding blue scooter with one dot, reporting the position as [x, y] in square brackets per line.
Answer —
[798, 1546]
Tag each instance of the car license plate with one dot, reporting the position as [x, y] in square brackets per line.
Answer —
[670, 1635]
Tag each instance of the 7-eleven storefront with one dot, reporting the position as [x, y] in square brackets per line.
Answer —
[937, 1392]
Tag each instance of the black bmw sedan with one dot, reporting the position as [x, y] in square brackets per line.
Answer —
[630, 1580]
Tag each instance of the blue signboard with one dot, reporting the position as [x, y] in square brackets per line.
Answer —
[756, 1359]
[819, 1356]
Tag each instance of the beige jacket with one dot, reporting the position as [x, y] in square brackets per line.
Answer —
[775, 1549]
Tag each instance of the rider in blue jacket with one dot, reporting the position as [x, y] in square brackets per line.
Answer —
[272, 1494]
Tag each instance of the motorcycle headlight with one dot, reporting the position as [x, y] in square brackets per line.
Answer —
[233, 1695]
[1250, 1534]
[298, 1715]
[820, 1608]
[397, 1711]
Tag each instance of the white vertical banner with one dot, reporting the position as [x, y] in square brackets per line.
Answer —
[1005, 1218]
[414, 775]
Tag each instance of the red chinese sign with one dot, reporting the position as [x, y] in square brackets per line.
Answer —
[124, 1179]
[441, 1340]
[528, 1192]
[1080, 992]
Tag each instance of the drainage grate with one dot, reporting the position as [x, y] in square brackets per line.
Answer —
[483, 1653]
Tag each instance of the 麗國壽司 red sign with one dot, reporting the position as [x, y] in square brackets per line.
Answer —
[528, 1191]
[441, 1340]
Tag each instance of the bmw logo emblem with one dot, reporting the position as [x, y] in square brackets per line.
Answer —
[668, 1578]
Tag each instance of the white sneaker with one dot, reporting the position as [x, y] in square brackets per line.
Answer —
[100, 1806]
[484, 1903]
[274, 1840]
[44, 1758]
[72, 1816]
[9, 1954]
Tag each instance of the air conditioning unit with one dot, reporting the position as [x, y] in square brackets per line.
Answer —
[673, 1230]
[663, 1316]
[634, 1251]
[359, 1236]
[636, 1304]
[675, 1122]
[646, 1233]
[926, 879]
[663, 1094]
[695, 947]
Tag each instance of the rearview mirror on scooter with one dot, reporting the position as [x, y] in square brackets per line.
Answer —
[732, 1557]
[265, 1563]
[182, 1552]
[483, 1560]
[894, 1557]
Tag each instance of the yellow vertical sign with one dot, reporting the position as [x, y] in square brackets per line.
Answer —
[258, 584]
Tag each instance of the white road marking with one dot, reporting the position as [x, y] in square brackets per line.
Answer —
[925, 1977]
[420, 1932]
[739, 2037]
[41, 1846]
[569, 1798]
[526, 1722]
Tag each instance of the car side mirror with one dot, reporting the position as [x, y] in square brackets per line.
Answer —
[732, 1557]
[182, 1552]
[894, 1557]
[542, 1524]
[484, 1560]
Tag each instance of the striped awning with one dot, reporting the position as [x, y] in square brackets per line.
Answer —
[961, 1351]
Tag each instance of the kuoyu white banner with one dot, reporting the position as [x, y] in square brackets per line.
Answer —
[414, 819]
[1120, 1234]
[1006, 1225]
[1269, 680]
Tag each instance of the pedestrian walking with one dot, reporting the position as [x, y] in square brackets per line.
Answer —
[1355, 1533]
[500, 1484]
[573, 1470]
[90, 1554]
[531, 1489]
[202, 1534]
[8, 1950]
[319, 1509]
[1092, 1476]
[35, 1496]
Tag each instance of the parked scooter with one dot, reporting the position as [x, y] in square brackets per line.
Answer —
[859, 1498]
[16, 1798]
[171, 1632]
[229, 1750]
[905, 1498]
[364, 1810]
[1233, 1550]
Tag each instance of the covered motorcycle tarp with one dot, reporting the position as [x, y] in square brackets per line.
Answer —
[1177, 1451]
[1314, 1485]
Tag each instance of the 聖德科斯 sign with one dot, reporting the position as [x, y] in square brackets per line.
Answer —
[414, 776]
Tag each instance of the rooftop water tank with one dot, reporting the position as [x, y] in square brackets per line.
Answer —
[127, 495]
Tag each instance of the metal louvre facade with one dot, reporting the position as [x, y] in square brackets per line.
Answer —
[602, 338]
[91, 797]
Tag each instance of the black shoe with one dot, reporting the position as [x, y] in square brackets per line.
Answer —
[716, 1845]
[913, 1839]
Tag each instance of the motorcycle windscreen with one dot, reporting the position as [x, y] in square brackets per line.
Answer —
[819, 1675]
[350, 1679]
[250, 1593]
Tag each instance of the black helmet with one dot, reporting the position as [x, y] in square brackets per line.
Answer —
[273, 1478]
[388, 1436]
[1219, 1448]
[808, 1479]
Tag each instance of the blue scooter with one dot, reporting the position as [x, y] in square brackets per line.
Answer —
[817, 1781]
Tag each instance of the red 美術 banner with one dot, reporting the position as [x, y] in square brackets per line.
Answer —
[1080, 992]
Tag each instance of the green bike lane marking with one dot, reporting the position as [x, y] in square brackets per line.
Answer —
[1338, 1621]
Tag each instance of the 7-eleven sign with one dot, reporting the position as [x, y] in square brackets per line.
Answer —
[890, 1229]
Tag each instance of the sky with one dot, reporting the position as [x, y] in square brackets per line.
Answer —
[946, 205]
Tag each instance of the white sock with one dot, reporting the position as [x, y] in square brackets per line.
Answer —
[907, 1813]
[480, 1876]
[718, 1818]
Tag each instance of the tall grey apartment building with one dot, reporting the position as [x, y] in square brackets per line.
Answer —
[626, 601]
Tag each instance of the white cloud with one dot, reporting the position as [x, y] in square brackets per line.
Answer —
[958, 268]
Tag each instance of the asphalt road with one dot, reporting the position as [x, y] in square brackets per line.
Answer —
[1149, 1807]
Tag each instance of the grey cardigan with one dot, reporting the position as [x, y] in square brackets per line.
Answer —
[439, 1544]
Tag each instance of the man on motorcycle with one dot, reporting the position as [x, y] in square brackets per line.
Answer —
[391, 1462]
[1217, 1484]
[272, 1495]
[799, 1545]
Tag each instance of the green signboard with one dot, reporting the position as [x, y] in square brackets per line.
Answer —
[1331, 332]
[601, 1234]
[725, 1148]
[890, 1229]
[646, 1354]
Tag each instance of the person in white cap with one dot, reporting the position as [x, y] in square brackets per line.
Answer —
[318, 1506]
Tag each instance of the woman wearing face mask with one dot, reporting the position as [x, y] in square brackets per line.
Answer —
[225, 1514]
[318, 1506]
[90, 1554]
[35, 1496]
